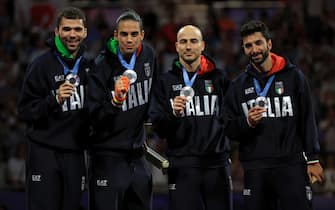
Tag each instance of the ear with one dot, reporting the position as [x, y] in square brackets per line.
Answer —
[176, 46]
[115, 35]
[142, 35]
[85, 33]
[203, 45]
[270, 44]
[56, 31]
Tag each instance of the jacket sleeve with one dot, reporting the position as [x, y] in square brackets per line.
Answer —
[224, 84]
[235, 122]
[308, 121]
[154, 85]
[36, 100]
[161, 112]
[99, 93]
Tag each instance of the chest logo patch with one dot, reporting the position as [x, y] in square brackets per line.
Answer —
[279, 87]
[147, 69]
[209, 86]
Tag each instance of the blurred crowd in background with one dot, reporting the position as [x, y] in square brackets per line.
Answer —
[302, 30]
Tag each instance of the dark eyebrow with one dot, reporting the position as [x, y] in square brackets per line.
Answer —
[247, 44]
[258, 42]
[134, 33]
[67, 28]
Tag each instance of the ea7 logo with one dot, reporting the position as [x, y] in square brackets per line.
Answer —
[36, 178]
[102, 183]
[172, 187]
[249, 90]
[177, 87]
[246, 192]
[59, 78]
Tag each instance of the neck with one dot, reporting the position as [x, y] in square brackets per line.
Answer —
[74, 54]
[192, 66]
[126, 56]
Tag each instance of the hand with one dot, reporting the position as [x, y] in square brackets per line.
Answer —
[315, 172]
[179, 104]
[121, 88]
[255, 115]
[65, 91]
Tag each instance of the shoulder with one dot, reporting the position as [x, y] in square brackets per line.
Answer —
[221, 76]
[147, 49]
[100, 58]
[240, 78]
[293, 71]
[45, 60]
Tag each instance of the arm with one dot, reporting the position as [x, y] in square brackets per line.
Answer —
[100, 93]
[235, 121]
[310, 133]
[161, 112]
[36, 99]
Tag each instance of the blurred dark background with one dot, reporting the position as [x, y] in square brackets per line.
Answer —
[302, 30]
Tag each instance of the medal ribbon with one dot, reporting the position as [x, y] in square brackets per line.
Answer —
[75, 68]
[124, 63]
[266, 88]
[187, 80]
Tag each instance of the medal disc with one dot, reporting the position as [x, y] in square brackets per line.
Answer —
[73, 79]
[188, 92]
[131, 74]
[261, 101]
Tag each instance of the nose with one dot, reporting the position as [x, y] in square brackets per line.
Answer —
[129, 38]
[188, 45]
[254, 49]
[72, 33]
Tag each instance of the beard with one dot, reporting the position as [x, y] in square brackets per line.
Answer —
[259, 62]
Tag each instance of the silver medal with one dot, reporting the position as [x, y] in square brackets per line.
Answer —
[73, 79]
[131, 74]
[261, 102]
[188, 92]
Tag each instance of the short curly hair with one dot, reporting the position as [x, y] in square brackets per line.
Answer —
[71, 13]
[255, 26]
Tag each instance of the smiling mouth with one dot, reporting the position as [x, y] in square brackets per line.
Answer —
[258, 56]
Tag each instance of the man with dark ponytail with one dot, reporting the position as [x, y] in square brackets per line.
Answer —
[52, 103]
[118, 100]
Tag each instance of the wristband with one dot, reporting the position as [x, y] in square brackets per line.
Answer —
[117, 100]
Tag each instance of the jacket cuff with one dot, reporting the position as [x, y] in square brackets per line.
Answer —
[311, 158]
[53, 103]
[116, 102]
